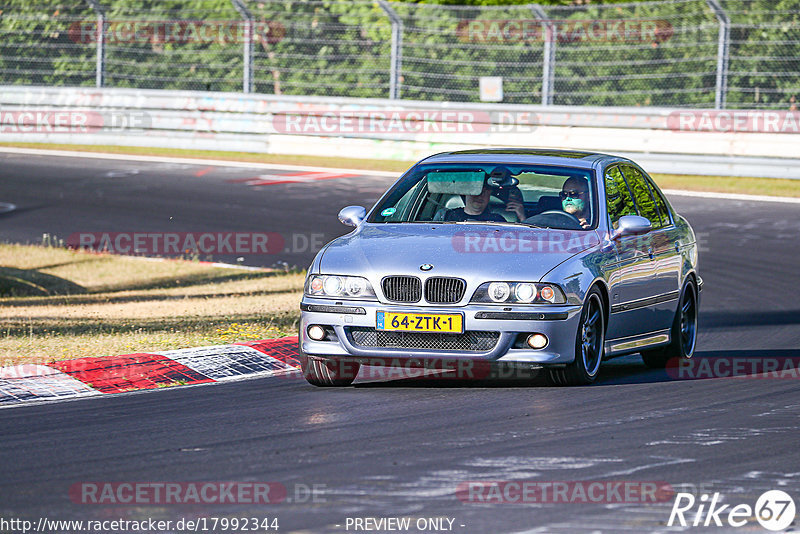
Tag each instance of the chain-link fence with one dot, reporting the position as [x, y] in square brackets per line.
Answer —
[676, 53]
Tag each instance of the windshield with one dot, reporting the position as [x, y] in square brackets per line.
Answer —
[534, 195]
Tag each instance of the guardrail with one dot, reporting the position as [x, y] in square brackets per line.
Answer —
[701, 142]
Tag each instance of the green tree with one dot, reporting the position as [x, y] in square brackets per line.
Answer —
[342, 48]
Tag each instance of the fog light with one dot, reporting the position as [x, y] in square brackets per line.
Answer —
[316, 332]
[537, 341]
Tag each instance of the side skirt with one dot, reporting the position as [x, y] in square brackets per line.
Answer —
[628, 345]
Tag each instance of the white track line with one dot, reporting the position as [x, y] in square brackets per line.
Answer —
[191, 161]
[209, 263]
[363, 172]
[731, 196]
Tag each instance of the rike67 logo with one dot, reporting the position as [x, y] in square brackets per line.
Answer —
[774, 510]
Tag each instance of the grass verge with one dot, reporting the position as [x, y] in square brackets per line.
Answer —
[730, 184]
[60, 304]
[718, 184]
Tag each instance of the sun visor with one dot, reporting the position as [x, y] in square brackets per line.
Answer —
[456, 182]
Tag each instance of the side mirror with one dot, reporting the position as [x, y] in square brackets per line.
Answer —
[631, 225]
[352, 215]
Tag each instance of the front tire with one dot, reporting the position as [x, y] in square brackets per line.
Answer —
[683, 337]
[589, 345]
[323, 372]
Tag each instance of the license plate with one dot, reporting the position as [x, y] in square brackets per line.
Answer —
[451, 323]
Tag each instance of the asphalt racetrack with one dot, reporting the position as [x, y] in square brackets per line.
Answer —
[401, 448]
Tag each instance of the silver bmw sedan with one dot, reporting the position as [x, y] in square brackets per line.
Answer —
[534, 259]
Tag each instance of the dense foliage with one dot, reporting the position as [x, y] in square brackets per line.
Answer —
[337, 47]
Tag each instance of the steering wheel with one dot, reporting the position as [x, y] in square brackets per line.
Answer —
[550, 218]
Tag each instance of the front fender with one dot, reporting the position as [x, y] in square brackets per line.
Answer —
[579, 273]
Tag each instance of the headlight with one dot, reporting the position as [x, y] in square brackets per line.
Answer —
[519, 293]
[335, 286]
[499, 291]
[525, 292]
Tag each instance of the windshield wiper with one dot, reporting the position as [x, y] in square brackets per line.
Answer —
[497, 223]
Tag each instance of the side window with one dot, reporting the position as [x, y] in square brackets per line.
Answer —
[642, 195]
[618, 197]
[400, 210]
[660, 202]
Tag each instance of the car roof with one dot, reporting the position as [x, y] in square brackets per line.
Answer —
[568, 158]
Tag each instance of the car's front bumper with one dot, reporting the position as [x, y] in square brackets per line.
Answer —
[558, 323]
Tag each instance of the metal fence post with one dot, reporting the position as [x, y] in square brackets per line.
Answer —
[247, 16]
[397, 53]
[100, 66]
[548, 54]
[723, 54]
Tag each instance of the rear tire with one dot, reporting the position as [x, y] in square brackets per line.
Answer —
[323, 372]
[683, 337]
[589, 345]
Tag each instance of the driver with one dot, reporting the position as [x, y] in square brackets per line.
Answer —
[575, 200]
[475, 208]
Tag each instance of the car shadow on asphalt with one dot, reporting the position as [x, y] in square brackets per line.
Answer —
[706, 365]
[630, 370]
[747, 318]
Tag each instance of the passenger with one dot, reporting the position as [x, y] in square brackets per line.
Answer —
[575, 200]
[475, 209]
[516, 204]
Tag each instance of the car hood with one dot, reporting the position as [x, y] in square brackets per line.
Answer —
[490, 252]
